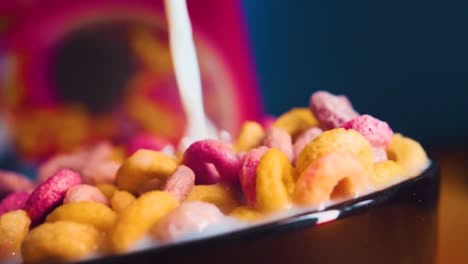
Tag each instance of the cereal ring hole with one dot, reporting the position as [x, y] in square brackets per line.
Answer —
[343, 189]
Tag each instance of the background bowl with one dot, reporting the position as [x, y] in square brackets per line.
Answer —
[395, 225]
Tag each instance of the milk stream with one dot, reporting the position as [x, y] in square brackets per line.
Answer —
[187, 72]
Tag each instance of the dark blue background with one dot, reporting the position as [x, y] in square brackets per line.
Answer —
[405, 62]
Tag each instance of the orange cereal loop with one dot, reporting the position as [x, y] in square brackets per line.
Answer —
[217, 194]
[340, 140]
[138, 218]
[59, 242]
[250, 136]
[121, 200]
[90, 213]
[275, 181]
[246, 214]
[107, 189]
[407, 153]
[14, 226]
[386, 173]
[337, 175]
[296, 121]
[142, 166]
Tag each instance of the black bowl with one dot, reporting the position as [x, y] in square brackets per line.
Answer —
[395, 225]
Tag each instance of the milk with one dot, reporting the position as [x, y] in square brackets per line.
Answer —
[187, 73]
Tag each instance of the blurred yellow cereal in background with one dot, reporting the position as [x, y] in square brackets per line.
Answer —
[296, 121]
[250, 136]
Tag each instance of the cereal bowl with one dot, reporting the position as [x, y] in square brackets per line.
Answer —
[394, 225]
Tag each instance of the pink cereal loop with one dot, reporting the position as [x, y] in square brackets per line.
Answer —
[85, 193]
[49, 194]
[13, 201]
[279, 139]
[13, 182]
[212, 162]
[248, 174]
[180, 183]
[332, 111]
[305, 138]
[377, 132]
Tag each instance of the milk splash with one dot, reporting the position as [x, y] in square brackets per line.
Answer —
[187, 72]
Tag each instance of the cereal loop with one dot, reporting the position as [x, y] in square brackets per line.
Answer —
[13, 201]
[107, 189]
[386, 173]
[60, 241]
[275, 181]
[407, 153]
[303, 139]
[341, 140]
[83, 193]
[250, 136]
[138, 218]
[377, 132]
[143, 166]
[216, 194]
[279, 139]
[121, 200]
[14, 226]
[212, 162]
[246, 214]
[296, 121]
[180, 183]
[248, 174]
[50, 194]
[330, 110]
[90, 213]
[13, 182]
[337, 175]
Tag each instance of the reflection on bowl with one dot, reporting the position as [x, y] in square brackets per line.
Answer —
[395, 225]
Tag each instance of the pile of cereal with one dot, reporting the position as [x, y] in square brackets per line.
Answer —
[96, 201]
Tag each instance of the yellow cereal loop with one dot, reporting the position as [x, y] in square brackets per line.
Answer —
[386, 173]
[216, 194]
[107, 189]
[407, 153]
[90, 213]
[118, 154]
[138, 218]
[14, 226]
[121, 200]
[296, 121]
[246, 214]
[250, 136]
[337, 140]
[60, 241]
[142, 166]
[275, 181]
